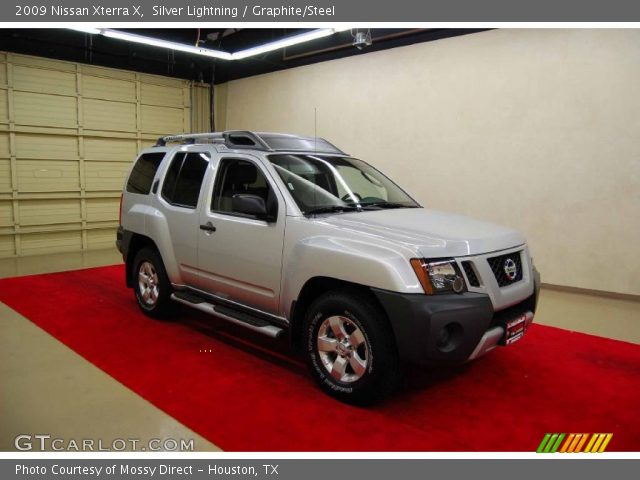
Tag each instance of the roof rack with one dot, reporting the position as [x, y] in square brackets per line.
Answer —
[243, 139]
[232, 138]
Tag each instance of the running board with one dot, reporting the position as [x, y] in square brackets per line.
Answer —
[230, 315]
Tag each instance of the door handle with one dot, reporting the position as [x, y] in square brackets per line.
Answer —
[208, 227]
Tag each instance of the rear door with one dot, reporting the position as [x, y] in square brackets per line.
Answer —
[180, 194]
[240, 256]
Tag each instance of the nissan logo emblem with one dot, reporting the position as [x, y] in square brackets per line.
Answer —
[510, 269]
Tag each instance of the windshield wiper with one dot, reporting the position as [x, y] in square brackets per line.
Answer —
[332, 209]
[387, 205]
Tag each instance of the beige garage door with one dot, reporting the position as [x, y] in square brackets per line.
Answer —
[68, 134]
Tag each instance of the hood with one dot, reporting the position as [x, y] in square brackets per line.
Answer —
[432, 233]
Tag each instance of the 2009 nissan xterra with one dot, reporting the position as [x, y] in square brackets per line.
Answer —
[287, 234]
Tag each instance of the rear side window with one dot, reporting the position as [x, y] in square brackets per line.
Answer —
[143, 172]
[183, 180]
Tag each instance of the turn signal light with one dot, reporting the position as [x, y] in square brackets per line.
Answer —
[421, 272]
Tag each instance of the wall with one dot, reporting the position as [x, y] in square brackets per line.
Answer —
[68, 135]
[535, 129]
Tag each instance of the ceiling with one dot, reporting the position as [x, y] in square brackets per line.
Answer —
[76, 46]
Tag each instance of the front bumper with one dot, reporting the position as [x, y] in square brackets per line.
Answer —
[450, 328]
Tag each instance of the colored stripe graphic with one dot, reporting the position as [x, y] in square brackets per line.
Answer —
[607, 439]
[582, 442]
[550, 443]
[599, 441]
[574, 443]
[543, 443]
[591, 442]
[554, 449]
[572, 447]
[568, 442]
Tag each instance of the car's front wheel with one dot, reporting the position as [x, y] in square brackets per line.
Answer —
[151, 285]
[350, 347]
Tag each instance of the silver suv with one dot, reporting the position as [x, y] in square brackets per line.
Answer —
[287, 234]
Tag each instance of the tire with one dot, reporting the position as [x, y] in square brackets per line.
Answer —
[151, 285]
[366, 367]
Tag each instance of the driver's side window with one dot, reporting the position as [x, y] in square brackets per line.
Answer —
[237, 176]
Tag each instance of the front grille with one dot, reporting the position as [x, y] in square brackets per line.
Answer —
[499, 266]
[471, 274]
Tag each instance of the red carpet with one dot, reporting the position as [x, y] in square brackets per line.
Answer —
[251, 395]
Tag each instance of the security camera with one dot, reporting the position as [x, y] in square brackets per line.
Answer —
[362, 39]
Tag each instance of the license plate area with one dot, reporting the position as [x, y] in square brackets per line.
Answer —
[515, 329]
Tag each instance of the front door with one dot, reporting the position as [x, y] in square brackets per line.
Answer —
[240, 256]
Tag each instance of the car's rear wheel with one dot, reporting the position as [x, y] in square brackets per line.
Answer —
[151, 285]
[350, 347]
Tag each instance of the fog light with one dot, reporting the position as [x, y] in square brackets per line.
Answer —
[449, 337]
[443, 337]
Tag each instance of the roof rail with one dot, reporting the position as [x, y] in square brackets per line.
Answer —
[243, 139]
[232, 139]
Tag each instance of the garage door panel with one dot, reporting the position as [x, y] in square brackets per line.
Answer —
[108, 115]
[92, 70]
[75, 131]
[44, 81]
[45, 110]
[159, 80]
[101, 238]
[148, 143]
[115, 150]
[105, 176]
[50, 242]
[102, 209]
[46, 146]
[161, 95]
[54, 65]
[6, 213]
[7, 246]
[162, 120]
[48, 176]
[108, 89]
[49, 212]
[5, 176]
[4, 145]
[4, 106]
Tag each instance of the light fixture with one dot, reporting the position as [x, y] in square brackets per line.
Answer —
[283, 43]
[155, 42]
[91, 30]
[239, 55]
[362, 39]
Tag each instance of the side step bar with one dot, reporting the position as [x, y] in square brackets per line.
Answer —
[229, 314]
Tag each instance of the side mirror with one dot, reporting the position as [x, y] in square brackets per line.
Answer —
[248, 204]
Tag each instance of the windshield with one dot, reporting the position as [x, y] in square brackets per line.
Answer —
[324, 184]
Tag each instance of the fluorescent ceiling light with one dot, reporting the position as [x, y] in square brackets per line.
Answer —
[283, 43]
[91, 30]
[207, 52]
[155, 42]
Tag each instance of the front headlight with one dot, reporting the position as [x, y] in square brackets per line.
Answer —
[438, 276]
